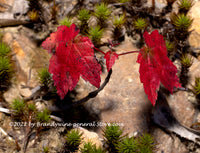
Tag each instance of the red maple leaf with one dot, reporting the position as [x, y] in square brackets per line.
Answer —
[73, 57]
[110, 57]
[155, 66]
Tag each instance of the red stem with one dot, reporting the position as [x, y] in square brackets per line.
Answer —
[99, 50]
[129, 52]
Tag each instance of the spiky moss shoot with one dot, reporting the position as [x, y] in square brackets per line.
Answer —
[18, 106]
[5, 71]
[91, 148]
[123, 1]
[73, 140]
[95, 34]
[112, 135]
[4, 50]
[185, 5]
[66, 21]
[196, 87]
[182, 23]
[145, 143]
[43, 116]
[140, 24]
[119, 21]
[33, 16]
[84, 16]
[127, 145]
[170, 48]
[102, 12]
[186, 61]
[44, 77]
[45, 149]
[31, 107]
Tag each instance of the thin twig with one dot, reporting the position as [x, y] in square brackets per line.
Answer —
[12, 22]
[129, 53]
[5, 110]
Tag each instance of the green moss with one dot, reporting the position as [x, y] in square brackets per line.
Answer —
[146, 143]
[123, 1]
[197, 86]
[66, 21]
[102, 12]
[44, 116]
[44, 77]
[84, 16]
[95, 34]
[45, 150]
[186, 61]
[73, 140]
[91, 148]
[18, 106]
[31, 107]
[4, 50]
[181, 22]
[113, 135]
[119, 21]
[185, 5]
[140, 24]
[5, 71]
[127, 145]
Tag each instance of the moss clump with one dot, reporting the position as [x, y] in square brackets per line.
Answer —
[119, 21]
[18, 106]
[145, 144]
[44, 77]
[73, 140]
[43, 116]
[185, 5]
[140, 24]
[95, 35]
[102, 12]
[33, 16]
[84, 16]
[5, 72]
[181, 23]
[66, 21]
[127, 145]
[4, 50]
[113, 135]
[91, 148]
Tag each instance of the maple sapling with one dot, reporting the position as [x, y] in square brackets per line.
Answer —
[74, 57]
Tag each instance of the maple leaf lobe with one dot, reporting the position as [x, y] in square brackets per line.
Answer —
[110, 57]
[155, 66]
[74, 57]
